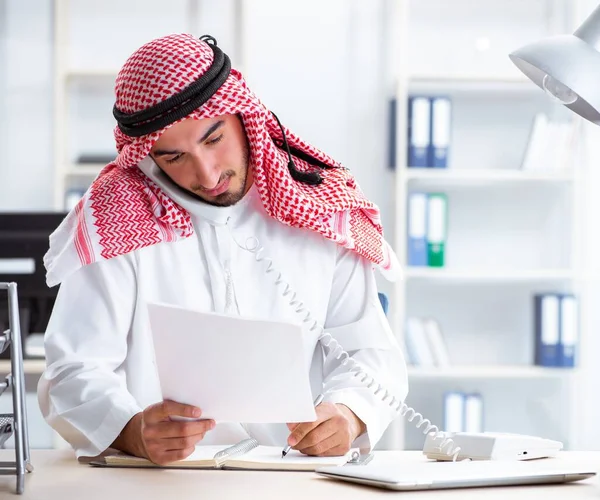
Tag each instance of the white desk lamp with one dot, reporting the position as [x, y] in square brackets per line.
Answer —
[567, 67]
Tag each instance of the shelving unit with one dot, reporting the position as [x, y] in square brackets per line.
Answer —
[487, 275]
[486, 372]
[85, 169]
[480, 175]
[511, 232]
[84, 76]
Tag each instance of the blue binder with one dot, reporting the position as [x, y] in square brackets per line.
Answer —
[419, 131]
[384, 301]
[441, 127]
[392, 134]
[569, 330]
[417, 229]
[547, 330]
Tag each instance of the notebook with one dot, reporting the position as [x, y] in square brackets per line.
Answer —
[247, 454]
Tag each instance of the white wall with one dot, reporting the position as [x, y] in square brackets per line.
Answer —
[3, 121]
[26, 106]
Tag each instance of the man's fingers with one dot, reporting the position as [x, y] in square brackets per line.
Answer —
[165, 409]
[291, 427]
[165, 430]
[300, 431]
[168, 457]
[321, 447]
[336, 451]
[316, 435]
[181, 443]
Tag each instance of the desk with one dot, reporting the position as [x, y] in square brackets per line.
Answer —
[58, 476]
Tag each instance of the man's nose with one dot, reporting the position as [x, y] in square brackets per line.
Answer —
[206, 171]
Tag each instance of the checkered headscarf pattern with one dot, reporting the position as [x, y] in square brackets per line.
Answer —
[124, 211]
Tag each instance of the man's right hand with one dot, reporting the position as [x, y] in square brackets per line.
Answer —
[153, 435]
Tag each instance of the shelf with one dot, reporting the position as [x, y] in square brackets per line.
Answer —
[103, 73]
[85, 169]
[486, 275]
[477, 176]
[471, 83]
[31, 366]
[489, 372]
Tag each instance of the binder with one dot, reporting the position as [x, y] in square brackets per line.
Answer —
[436, 342]
[569, 330]
[384, 301]
[454, 411]
[436, 229]
[417, 347]
[473, 413]
[419, 131]
[417, 229]
[547, 329]
[441, 125]
[537, 144]
[392, 113]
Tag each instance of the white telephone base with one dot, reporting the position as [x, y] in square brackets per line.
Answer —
[489, 446]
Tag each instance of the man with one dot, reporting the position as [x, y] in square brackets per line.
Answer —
[201, 166]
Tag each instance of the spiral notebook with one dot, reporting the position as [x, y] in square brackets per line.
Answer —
[247, 454]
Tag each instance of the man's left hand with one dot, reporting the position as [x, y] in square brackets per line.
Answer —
[332, 434]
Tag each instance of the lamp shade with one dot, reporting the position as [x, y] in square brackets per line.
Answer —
[567, 67]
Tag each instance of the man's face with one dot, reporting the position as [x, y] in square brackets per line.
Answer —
[207, 157]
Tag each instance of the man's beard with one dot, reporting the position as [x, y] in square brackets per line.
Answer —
[227, 198]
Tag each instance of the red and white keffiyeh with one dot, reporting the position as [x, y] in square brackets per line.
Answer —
[123, 210]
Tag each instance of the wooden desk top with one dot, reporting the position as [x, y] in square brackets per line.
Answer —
[58, 476]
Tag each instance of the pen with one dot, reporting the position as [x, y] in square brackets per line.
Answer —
[317, 402]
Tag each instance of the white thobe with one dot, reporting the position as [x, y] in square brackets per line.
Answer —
[99, 352]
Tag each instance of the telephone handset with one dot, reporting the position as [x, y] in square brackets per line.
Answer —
[443, 443]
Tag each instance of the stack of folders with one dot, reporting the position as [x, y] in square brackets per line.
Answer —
[556, 330]
[425, 344]
[550, 144]
[427, 229]
[429, 131]
[463, 412]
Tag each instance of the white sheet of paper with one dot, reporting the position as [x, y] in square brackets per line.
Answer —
[234, 369]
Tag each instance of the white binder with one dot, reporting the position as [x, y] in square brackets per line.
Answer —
[441, 113]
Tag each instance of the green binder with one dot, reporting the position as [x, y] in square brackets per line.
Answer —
[437, 226]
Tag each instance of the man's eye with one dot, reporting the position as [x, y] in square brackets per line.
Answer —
[215, 140]
[174, 159]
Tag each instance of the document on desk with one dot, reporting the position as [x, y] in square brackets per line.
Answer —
[217, 457]
[235, 369]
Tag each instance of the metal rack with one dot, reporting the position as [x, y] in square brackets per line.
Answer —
[15, 422]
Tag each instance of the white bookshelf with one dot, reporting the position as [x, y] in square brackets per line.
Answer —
[92, 73]
[479, 84]
[84, 169]
[85, 73]
[486, 275]
[467, 372]
[478, 175]
[511, 232]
